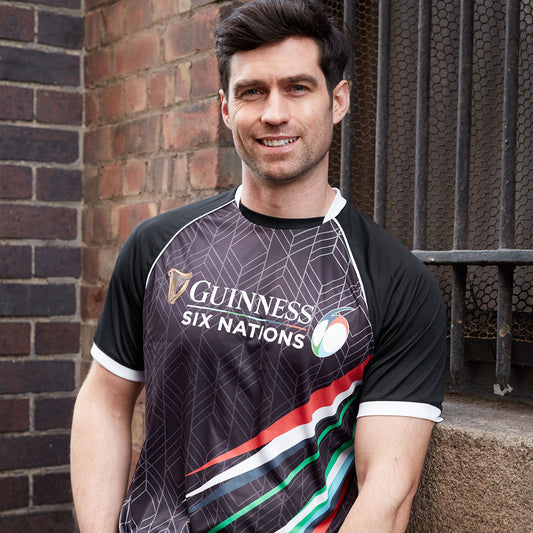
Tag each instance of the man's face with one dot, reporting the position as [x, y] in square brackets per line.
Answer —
[280, 112]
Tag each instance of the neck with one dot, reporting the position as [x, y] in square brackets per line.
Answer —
[299, 199]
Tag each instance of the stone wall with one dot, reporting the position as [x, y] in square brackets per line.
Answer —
[41, 111]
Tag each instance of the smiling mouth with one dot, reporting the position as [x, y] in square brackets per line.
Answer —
[277, 142]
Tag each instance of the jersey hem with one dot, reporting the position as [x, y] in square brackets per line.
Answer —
[116, 368]
[410, 409]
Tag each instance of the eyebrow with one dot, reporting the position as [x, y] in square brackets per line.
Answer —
[306, 79]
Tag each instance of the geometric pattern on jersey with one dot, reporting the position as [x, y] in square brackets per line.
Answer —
[252, 377]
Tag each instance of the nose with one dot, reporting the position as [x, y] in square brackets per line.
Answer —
[276, 109]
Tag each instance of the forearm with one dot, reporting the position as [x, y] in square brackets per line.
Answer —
[373, 511]
[100, 460]
[389, 456]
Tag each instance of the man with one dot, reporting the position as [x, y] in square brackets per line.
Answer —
[292, 351]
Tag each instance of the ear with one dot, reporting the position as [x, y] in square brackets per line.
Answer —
[341, 101]
[224, 109]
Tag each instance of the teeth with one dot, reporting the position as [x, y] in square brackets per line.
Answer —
[281, 142]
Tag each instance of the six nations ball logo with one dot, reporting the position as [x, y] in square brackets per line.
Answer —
[331, 333]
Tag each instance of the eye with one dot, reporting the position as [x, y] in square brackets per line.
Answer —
[298, 89]
[250, 94]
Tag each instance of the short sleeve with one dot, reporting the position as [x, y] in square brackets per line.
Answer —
[409, 325]
[405, 376]
[118, 344]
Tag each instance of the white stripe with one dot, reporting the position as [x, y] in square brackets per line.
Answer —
[410, 409]
[322, 496]
[279, 444]
[114, 367]
[354, 264]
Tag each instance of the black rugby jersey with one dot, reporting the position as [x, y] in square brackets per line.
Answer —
[260, 342]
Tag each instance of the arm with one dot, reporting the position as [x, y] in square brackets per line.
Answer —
[389, 456]
[101, 448]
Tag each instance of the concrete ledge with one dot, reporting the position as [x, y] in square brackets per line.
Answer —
[478, 475]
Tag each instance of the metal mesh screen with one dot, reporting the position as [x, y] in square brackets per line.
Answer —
[364, 41]
[486, 142]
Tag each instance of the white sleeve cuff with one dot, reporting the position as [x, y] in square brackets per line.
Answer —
[114, 367]
[412, 409]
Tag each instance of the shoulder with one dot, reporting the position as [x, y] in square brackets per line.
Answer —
[150, 237]
[393, 278]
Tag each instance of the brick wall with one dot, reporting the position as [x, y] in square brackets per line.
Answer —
[41, 106]
[154, 139]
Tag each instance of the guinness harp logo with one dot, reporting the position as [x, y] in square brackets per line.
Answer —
[178, 283]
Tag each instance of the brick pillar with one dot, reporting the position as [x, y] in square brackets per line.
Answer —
[40, 261]
[154, 138]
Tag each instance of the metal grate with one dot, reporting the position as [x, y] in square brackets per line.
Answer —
[430, 99]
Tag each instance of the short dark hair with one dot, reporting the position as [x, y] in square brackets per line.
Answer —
[262, 22]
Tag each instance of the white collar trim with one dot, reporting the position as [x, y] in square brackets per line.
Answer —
[334, 209]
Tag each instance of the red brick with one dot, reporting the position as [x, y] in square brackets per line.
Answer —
[50, 489]
[14, 338]
[140, 52]
[14, 417]
[112, 102]
[37, 222]
[135, 97]
[162, 90]
[97, 225]
[90, 264]
[135, 173]
[204, 169]
[93, 30]
[229, 168]
[57, 338]
[55, 262]
[53, 413]
[92, 107]
[36, 376]
[15, 492]
[138, 15]
[15, 262]
[131, 215]
[15, 182]
[191, 126]
[92, 301]
[160, 174]
[185, 37]
[97, 66]
[97, 145]
[136, 137]
[17, 103]
[163, 9]
[183, 82]
[204, 78]
[58, 185]
[113, 17]
[16, 24]
[111, 181]
[58, 107]
[181, 167]
[43, 521]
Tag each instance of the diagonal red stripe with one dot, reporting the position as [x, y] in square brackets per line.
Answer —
[301, 415]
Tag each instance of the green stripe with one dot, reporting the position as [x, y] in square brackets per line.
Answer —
[292, 474]
[315, 508]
